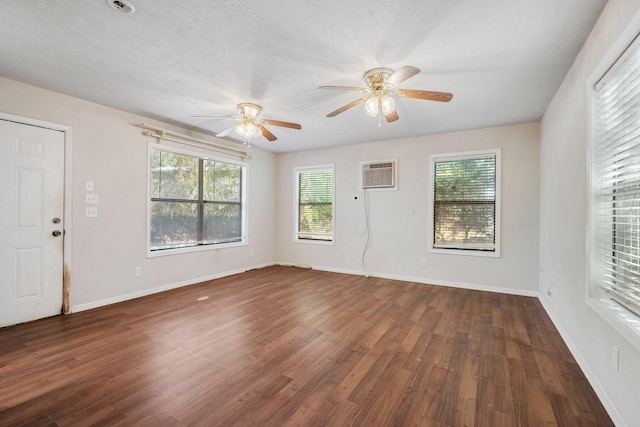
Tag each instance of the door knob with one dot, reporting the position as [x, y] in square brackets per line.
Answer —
[55, 220]
[56, 233]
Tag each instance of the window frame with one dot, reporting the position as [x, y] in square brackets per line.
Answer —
[200, 155]
[495, 253]
[622, 319]
[296, 199]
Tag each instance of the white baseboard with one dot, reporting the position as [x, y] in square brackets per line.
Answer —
[616, 417]
[120, 298]
[427, 281]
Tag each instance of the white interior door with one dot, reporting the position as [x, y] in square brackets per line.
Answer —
[31, 222]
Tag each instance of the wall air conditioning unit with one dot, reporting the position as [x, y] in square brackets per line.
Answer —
[379, 174]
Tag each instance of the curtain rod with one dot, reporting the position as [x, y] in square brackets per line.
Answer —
[169, 135]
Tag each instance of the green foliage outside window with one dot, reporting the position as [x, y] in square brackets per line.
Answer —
[315, 204]
[465, 203]
[194, 201]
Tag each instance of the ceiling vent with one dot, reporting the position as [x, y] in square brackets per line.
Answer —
[380, 174]
[122, 6]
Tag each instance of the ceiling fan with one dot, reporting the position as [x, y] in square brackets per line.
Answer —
[250, 126]
[380, 86]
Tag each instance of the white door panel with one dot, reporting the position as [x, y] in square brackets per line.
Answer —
[31, 209]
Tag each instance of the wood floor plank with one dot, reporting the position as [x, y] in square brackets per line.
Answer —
[284, 346]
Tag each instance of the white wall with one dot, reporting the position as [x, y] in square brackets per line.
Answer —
[399, 219]
[112, 153]
[563, 225]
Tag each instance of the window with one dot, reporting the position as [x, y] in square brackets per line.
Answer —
[615, 262]
[466, 207]
[194, 201]
[314, 204]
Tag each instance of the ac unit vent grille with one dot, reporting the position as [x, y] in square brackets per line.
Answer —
[378, 174]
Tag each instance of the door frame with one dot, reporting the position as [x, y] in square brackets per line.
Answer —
[67, 202]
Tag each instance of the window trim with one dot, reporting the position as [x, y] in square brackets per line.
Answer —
[204, 154]
[619, 318]
[296, 196]
[431, 202]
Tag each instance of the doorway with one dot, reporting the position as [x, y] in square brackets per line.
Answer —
[32, 219]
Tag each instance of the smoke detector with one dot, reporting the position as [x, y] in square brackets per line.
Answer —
[122, 6]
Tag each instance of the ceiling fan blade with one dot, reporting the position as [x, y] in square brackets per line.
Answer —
[226, 131]
[346, 107]
[424, 94]
[350, 88]
[267, 134]
[283, 124]
[392, 116]
[402, 74]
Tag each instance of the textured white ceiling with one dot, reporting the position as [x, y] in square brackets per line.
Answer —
[502, 59]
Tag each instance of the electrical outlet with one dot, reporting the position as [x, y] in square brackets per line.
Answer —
[88, 186]
[251, 252]
[615, 358]
[137, 271]
[91, 211]
[91, 198]
[423, 262]
[549, 290]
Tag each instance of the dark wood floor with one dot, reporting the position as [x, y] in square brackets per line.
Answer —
[283, 346]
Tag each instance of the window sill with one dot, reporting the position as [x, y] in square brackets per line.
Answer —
[190, 249]
[314, 242]
[619, 318]
[468, 252]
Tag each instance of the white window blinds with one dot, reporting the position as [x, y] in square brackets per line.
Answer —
[315, 204]
[617, 160]
[464, 203]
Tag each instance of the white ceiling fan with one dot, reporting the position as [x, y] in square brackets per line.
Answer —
[249, 124]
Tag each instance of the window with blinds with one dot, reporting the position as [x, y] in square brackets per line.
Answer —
[465, 201]
[314, 204]
[616, 178]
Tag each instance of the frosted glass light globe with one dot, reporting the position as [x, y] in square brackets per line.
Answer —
[371, 106]
[241, 129]
[388, 105]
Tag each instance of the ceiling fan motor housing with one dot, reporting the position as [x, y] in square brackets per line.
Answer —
[377, 77]
[249, 109]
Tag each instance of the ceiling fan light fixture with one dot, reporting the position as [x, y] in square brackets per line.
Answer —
[248, 129]
[388, 104]
[371, 106]
[241, 129]
[252, 130]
